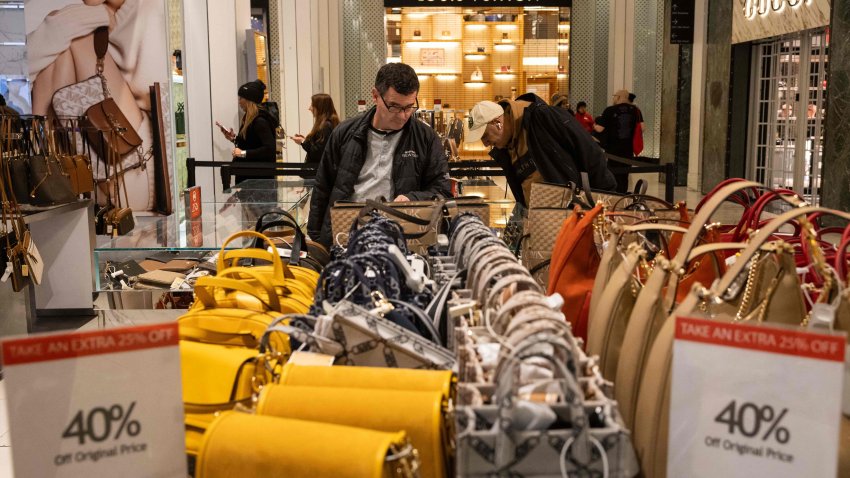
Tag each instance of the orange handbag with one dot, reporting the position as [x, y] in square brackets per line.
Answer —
[575, 261]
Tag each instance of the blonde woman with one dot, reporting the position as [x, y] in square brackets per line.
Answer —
[255, 141]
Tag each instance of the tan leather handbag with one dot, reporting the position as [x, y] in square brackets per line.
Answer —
[610, 316]
[780, 300]
[652, 305]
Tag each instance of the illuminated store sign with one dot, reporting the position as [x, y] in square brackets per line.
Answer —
[477, 3]
[766, 7]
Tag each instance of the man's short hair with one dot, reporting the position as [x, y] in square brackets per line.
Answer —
[399, 76]
[580, 104]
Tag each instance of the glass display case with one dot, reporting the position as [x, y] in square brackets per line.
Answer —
[180, 238]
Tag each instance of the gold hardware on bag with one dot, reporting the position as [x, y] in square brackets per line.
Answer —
[403, 460]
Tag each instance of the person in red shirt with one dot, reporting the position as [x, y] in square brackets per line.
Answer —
[584, 118]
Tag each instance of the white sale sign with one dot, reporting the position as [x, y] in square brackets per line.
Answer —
[754, 400]
[104, 403]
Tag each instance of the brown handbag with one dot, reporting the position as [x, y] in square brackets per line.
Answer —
[77, 165]
[106, 116]
[50, 182]
[18, 237]
[119, 220]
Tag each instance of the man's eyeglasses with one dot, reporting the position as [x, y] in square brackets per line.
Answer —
[400, 109]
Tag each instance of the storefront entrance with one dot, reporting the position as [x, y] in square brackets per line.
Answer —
[788, 103]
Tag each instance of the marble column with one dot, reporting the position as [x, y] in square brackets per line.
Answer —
[716, 109]
[589, 54]
[365, 50]
[669, 92]
[836, 148]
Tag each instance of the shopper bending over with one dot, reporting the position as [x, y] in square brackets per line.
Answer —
[255, 142]
[382, 153]
[325, 120]
[535, 142]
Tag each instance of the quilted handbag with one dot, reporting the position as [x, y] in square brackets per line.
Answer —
[579, 443]
[241, 444]
[355, 336]
[424, 415]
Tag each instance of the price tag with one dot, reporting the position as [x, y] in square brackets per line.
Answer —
[750, 400]
[103, 403]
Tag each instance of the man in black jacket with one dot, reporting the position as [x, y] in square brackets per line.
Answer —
[535, 142]
[383, 153]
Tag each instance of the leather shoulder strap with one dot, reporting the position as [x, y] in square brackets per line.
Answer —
[101, 42]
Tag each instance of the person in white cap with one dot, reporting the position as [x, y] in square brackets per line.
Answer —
[535, 142]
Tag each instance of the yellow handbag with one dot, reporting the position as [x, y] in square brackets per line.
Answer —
[291, 282]
[218, 319]
[215, 378]
[423, 415]
[443, 381]
[240, 444]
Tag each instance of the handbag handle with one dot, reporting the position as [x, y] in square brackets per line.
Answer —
[205, 286]
[762, 236]
[515, 279]
[279, 268]
[392, 212]
[718, 196]
[642, 198]
[298, 243]
[101, 45]
[739, 196]
[489, 257]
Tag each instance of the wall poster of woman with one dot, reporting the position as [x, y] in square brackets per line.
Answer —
[63, 67]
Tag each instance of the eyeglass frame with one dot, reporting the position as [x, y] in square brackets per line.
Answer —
[400, 109]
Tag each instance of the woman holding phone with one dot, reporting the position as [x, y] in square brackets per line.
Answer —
[325, 120]
[255, 141]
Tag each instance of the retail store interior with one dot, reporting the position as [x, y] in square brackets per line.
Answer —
[436, 238]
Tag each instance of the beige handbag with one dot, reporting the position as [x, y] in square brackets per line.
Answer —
[420, 220]
[651, 309]
[610, 316]
[551, 195]
[780, 300]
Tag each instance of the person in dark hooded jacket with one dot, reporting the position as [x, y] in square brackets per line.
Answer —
[535, 142]
[256, 141]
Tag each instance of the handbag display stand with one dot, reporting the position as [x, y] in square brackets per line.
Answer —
[64, 235]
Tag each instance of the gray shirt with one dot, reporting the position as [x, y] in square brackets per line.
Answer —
[376, 176]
